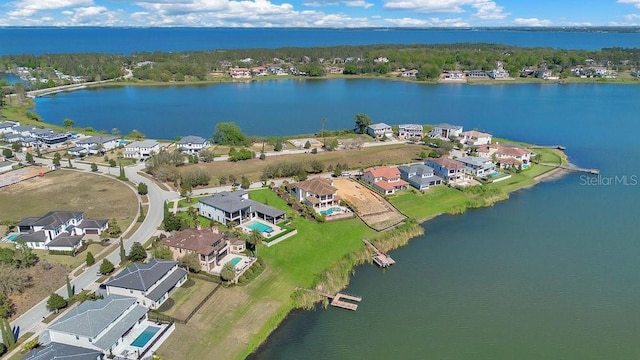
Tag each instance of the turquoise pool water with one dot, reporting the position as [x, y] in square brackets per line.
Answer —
[12, 237]
[329, 211]
[235, 261]
[260, 227]
[146, 335]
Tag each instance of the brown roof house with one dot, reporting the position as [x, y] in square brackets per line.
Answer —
[385, 179]
[211, 245]
[317, 192]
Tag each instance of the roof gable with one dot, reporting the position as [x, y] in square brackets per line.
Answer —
[142, 276]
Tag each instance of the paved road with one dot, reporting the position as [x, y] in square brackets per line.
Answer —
[32, 319]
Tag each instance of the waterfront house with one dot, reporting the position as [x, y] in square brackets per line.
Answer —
[24, 130]
[419, 176]
[112, 325]
[225, 207]
[240, 73]
[6, 127]
[379, 130]
[475, 138]
[192, 144]
[384, 179]
[58, 351]
[12, 138]
[141, 150]
[476, 74]
[499, 73]
[50, 137]
[77, 151]
[477, 166]
[318, 193]
[151, 283]
[210, 245]
[98, 143]
[453, 75]
[506, 156]
[409, 73]
[448, 169]
[445, 131]
[410, 132]
[58, 230]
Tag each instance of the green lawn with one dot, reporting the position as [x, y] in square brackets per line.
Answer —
[185, 298]
[268, 197]
[194, 201]
[72, 261]
[437, 200]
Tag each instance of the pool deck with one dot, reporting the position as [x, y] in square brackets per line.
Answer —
[127, 351]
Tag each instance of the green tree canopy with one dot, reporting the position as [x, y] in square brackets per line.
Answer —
[229, 133]
[362, 121]
[137, 253]
[191, 261]
[106, 267]
[56, 302]
[90, 260]
[162, 252]
[228, 272]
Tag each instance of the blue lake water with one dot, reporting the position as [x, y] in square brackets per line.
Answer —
[128, 40]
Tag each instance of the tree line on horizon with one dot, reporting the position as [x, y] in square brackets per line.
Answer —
[430, 60]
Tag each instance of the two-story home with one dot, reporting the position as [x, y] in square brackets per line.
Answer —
[192, 144]
[318, 193]
[141, 149]
[477, 166]
[6, 127]
[210, 245]
[506, 156]
[445, 131]
[151, 283]
[226, 207]
[98, 144]
[379, 130]
[114, 325]
[475, 138]
[448, 169]
[385, 179]
[419, 176]
[410, 132]
[58, 230]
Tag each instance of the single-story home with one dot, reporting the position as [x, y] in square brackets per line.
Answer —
[151, 283]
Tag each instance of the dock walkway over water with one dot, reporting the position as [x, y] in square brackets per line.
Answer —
[571, 167]
[338, 300]
[381, 259]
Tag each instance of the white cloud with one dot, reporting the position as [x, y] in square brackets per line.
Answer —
[182, 7]
[93, 15]
[635, 3]
[431, 22]
[632, 17]
[485, 9]
[320, 3]
[488, 10]
[358, 3]
[531, 22]
[26, 8]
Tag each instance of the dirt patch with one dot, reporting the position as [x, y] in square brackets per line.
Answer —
[16, 176]
[44, 283]
[372, 208]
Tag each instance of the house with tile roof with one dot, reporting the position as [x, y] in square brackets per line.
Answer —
[419, 176]
[506, 156]
[235, 206]
[211, 245]
[384, 179]
[475, 138]
[450, 170]
[58, 230]
[318, 193]
[151, 283]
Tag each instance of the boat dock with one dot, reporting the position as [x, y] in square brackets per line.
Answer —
[559, 147]
[575, 168]
[381, 259]
[338, 300]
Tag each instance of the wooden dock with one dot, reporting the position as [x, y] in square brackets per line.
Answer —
[575, 168]
[338, 300]
[381, 259]
[559, 147]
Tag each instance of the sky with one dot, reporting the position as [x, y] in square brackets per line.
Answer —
[320, 13]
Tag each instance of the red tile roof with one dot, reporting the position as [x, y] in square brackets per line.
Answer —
[390, 185]
[387, 172]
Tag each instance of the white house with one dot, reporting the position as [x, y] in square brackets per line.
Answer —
[475, 138]
[58, 230]
[448, 169]
[5, 166]
[6, 127]
[506, 156]
[445, 131]
[151, 283]
[141, 149]
[318, 193]
[225, 207]
[379, 130]
[410, 131]
[499, 72]
[419, 176]
[192, 144]
[114, 325]
[385, 179]
[98, 144]
[477, 166]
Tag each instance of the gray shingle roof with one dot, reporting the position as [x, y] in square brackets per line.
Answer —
[144, 144]
[122, 326]
[98, 139]
[191, 140]
[91, 317]
[266, 209]
[92, 223]
[167, 284]
[37, 236]
[142, 276]
[65, 241]
[58, 351]
[53, 219]
[228, 201]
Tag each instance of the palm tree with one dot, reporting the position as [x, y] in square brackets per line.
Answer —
[228, 272]
[255, 238]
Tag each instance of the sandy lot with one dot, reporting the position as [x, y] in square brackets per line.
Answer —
[370, 206]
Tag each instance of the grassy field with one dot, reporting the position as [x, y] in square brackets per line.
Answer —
[96, 196]
[187, 297]
[356, 159]
[71, 261]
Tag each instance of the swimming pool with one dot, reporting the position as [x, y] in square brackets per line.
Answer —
[260, 227]
[330, 211]
[146, 335]
[13, 237]
[235, 261]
